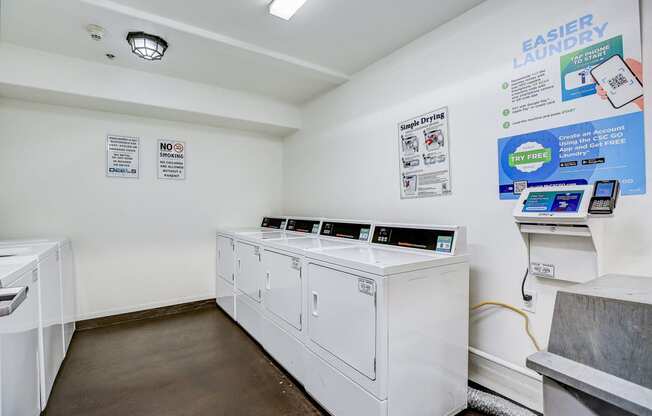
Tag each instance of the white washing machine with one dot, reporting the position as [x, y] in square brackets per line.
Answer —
[68, 281]
[19, 347]
[249, 272]
[51, 338]
[388, 323]
[225, 260]
[284, 297]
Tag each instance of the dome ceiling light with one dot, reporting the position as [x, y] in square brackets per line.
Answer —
[149, 47]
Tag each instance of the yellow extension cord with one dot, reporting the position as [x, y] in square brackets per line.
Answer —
[518, 311]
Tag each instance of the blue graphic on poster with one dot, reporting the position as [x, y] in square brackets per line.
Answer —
[580, 153]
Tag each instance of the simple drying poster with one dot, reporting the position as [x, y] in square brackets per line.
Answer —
[572, 106]
[424, 162]
[171, 159]
[122, 156]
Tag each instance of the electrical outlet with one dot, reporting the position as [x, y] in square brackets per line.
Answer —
[530, 306]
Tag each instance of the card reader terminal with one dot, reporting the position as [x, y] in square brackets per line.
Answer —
[605, 196]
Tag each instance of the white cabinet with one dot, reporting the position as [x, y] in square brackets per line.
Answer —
[283, 287]
[51, 325]
[342, 316]
[225, 275]
[69, 291]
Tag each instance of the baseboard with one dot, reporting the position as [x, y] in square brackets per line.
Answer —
[519, 384]
[144, 313]
[143, 306]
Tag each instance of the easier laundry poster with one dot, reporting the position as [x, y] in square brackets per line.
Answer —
[572, 106]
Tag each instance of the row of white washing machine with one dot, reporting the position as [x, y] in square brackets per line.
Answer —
[372, 319]
[37, 320]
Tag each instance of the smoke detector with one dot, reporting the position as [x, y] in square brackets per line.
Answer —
[96, 32]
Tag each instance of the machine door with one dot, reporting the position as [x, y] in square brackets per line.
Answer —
[283, 286]
[249, 270]
[225, 259]
[342, 316]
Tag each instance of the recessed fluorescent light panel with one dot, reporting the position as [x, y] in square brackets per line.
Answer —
[285, 9]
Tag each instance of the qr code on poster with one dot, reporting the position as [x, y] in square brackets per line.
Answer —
[519, 187]
[617, 81]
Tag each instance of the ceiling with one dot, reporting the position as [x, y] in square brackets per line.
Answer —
[233, 44]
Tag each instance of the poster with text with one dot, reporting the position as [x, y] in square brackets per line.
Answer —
[122, 156]
[171, 159]
[424, 162]
[572, 106]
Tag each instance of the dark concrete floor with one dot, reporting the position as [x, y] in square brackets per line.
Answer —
[191, 364]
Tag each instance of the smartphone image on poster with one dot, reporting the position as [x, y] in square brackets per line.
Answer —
[618, 80]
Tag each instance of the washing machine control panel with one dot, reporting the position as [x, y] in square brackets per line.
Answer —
[346, 230]
[303, 226]
[275, 223]
[437, 240]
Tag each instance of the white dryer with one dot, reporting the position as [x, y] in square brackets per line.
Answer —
[51, 338]
[225, 260]
[388, 323]
[68, 281]
[284, 327]
[250, 275]
[19, 381]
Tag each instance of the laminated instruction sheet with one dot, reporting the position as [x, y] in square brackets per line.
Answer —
[122, 156]
[424, 162]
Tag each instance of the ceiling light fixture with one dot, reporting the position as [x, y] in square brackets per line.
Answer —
[285, 9]
[149, 47]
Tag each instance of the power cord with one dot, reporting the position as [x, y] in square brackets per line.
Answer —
[526, 298]
[518, 311]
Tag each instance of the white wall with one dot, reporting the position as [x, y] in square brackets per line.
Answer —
[138, 243]
[344, 161]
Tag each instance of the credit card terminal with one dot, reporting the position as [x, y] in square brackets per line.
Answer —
[605, 196]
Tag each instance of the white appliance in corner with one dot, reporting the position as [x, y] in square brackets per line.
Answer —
[225, 260]
[68, 281]
[19, 347]
[250, 275]
[285, 293]
[51, 338]
[388, 323]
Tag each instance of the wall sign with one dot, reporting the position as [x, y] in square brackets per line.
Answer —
[171, 159]
[424, 155]
[572, 105]
[122, 156]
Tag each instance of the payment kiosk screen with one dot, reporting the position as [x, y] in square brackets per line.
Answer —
[551, 201]
[604, 189]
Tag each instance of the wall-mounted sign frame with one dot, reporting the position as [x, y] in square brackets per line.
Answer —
[171, 159]
[122, 156]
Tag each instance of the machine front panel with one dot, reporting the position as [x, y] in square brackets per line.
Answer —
[440, 241]
[275, 223]
[303, 226]
[349, 231]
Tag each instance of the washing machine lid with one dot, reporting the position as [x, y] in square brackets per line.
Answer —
[61, 241]
[299, 245]
[266, 224]
[382, 261]
[265, 236]
[36, 251]
[13, 268]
